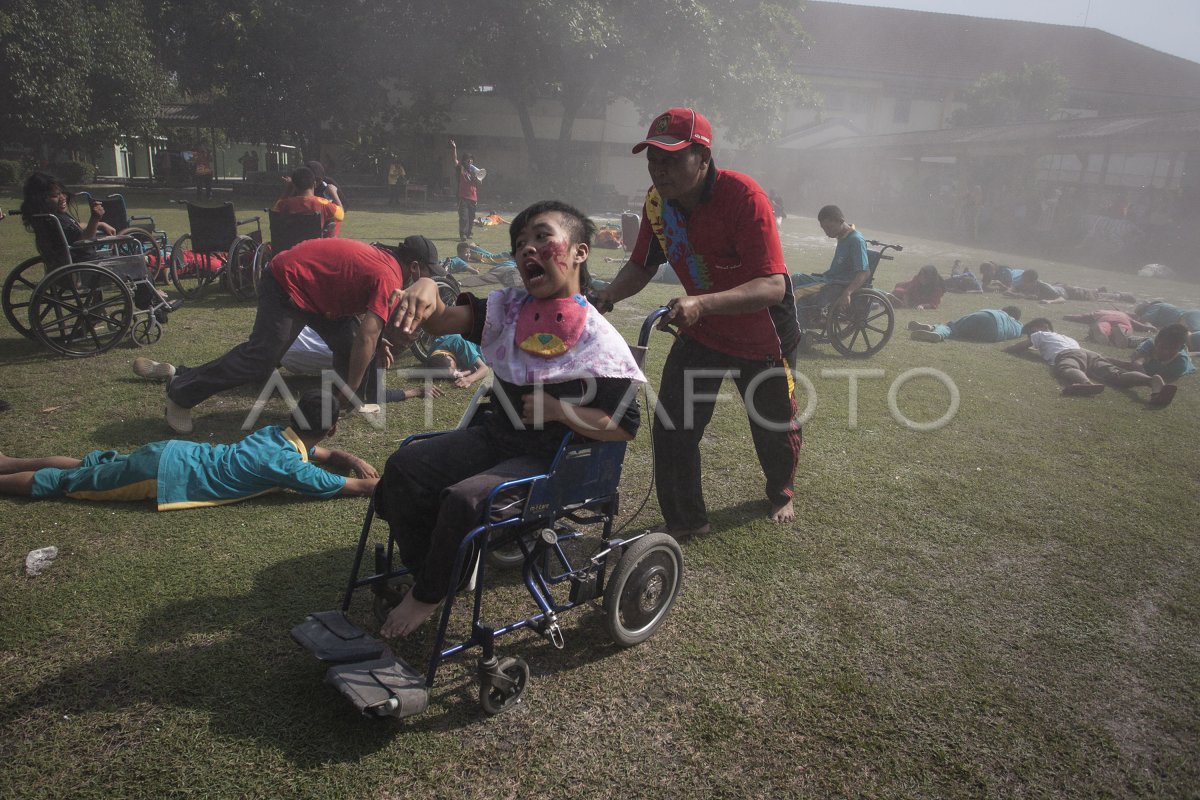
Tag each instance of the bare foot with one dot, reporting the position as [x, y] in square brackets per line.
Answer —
[1156, 384]
[407, 617]
[783, 513]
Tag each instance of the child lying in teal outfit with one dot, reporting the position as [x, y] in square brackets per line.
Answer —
[179, 474]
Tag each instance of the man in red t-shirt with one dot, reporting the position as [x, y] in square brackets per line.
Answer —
[468, 191]
[342, 289]
[717, 230]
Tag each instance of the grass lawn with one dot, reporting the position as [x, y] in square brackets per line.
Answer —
[1006, 606]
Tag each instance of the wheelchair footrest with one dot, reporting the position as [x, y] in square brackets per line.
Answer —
[383, 687]
[331, 636]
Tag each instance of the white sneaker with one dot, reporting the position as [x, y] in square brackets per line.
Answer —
[178, 417]
[157, 370]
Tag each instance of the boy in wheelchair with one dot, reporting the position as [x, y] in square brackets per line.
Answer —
[559, 367]
[848, 271]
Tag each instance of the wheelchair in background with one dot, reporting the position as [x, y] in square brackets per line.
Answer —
[94, 294]
[287, 231]
[155, 243]
[861, 327]
[635, 580]
[215, 250]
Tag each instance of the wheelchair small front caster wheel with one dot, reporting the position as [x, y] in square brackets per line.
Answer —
[642, 588]
[146, 331]
[502, 684]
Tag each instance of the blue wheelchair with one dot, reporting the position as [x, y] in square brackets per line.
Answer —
[635, 579]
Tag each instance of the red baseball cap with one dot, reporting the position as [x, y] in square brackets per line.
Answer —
[675, 129]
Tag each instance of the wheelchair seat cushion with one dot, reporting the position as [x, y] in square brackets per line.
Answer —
[131, 268]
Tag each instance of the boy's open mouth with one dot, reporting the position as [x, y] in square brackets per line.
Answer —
[532, 271]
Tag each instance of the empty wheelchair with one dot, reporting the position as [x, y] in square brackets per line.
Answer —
[634, 580]
[94, 294]
[215, 250]
[861, 327]
[287, 231]
[142, 228]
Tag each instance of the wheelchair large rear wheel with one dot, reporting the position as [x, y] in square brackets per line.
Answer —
[191, 272]
[863, 326]
[81, 310]
[448, 290]
[149, 247]
[239, 268]
[262, 259]
[642, 588]
[18, 291]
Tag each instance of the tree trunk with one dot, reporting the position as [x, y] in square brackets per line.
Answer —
[565, 129]
[535, 155]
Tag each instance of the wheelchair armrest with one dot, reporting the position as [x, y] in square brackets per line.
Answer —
[87, 244]
[248, 220]
[416, 437]
[530, 481]
[142, 219]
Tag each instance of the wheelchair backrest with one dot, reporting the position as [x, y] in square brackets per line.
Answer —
[213, 229]
[288, 230]
[116, 213]
[873, 263]
[51, 241]
[582, 471]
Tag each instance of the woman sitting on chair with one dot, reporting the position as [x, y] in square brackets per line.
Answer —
[45, 194]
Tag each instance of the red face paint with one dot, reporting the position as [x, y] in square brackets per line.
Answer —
[552, 252]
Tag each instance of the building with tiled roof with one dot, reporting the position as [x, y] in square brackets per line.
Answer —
[888, 70]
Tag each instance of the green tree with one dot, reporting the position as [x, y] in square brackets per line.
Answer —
[354, 72]
[1002, 98]
[731, 58]
[77, 74]
[282, 69]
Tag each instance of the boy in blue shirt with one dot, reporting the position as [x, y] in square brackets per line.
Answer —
[179, 474]
[458, 263]
[985, 325]
[460, 360]
[1166, 354]
[848, 271]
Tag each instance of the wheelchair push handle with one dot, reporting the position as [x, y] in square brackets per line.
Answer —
[884, 247]
[649, 325]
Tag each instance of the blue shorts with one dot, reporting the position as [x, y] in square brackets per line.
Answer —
[104, 475]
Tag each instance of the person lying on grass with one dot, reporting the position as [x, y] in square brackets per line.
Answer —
[1165, 355]
[179, 474]
[1110, 326]
[558, 367]
[1082, 372]
[454, 358]
[984, 325]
